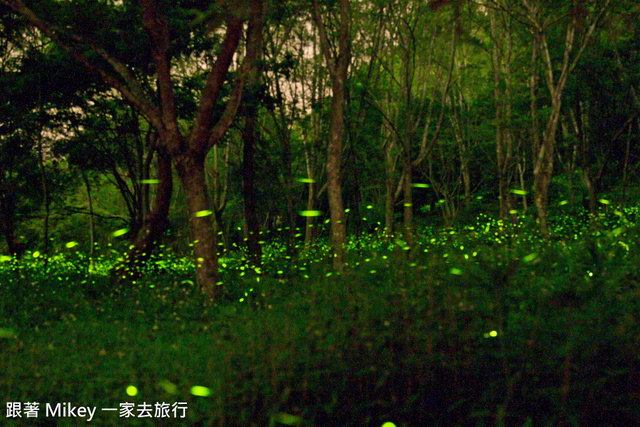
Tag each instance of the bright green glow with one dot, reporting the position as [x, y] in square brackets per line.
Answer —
[493, 334]
[310, 213]
[286, 419]
[7, 333]
[369, 206]
[420, 185]
[132, 390]
[617, 231]
[513, 211]
[604, 201]
[168, 386]
[456, 271]
[388, 424]
[197, 390]
[372, 271]
[519, 192]
[71, 244]
[564, 202]
[307, 180]
[36, 254]
[150, 181]
[201, 214]
[530, 257]
[120, 232]
[5, 258]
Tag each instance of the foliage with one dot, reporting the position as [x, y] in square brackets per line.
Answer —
[481, 323]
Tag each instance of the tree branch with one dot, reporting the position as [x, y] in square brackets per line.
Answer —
[215, 81]
[158, 28]
[254, 49]
[132, 91]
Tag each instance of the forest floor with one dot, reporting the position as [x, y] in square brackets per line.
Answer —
[485, 325]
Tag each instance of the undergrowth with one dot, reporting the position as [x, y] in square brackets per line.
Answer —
[483, 325]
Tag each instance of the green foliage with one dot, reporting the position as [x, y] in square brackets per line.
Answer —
[475, 324]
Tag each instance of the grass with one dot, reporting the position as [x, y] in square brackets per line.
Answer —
[485, 325]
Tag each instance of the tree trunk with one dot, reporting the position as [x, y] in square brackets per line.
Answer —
[543, 170]
[192, 175]
[92, 227]
[502, 91]
[408, 195]
[543, 155]
[250, 137]
[334, 187]
[154, 224]
[337, 66]
[160, 110]
[389, 167]
[7, 220]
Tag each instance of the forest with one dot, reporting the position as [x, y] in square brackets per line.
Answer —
[320, 212]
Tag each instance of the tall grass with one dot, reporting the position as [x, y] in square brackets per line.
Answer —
[485, 325]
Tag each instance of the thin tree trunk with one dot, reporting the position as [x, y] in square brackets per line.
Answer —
[338, 69]
[407, 194]
[7, 219]
[92, 230]
[556, 82]
[154, 223]
[389, 185]
[250, 138]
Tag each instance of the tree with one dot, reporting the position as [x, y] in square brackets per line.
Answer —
[337, 61]
[580, 23]
[187, 150]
